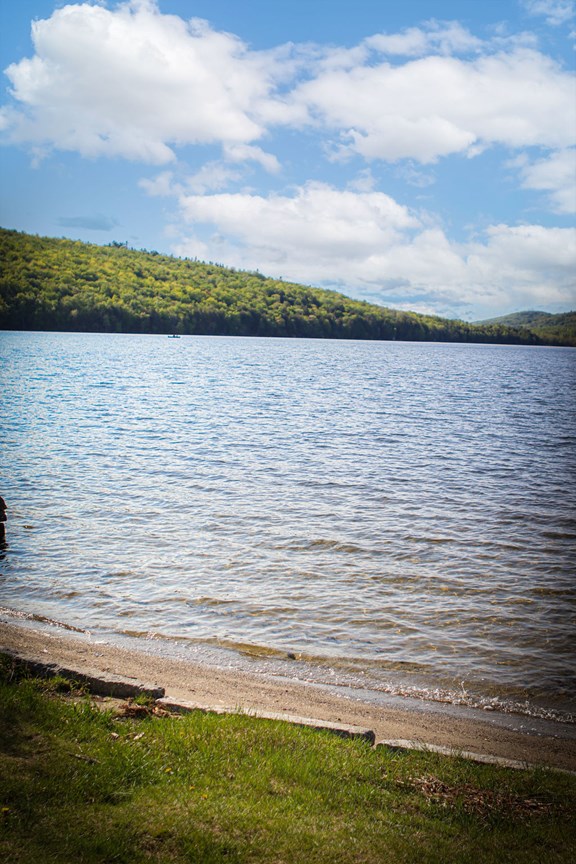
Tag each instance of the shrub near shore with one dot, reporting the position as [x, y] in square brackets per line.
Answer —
[83, 784]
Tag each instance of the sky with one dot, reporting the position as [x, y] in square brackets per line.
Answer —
[417, 154]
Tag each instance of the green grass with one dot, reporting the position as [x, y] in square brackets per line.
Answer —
[81, 785]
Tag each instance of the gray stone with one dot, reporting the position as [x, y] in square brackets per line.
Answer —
[98, 683]
[485, 758]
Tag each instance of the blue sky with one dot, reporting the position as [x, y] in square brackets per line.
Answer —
[419, 154]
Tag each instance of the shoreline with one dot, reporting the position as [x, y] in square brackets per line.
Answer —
[426, 725]
[402, 690]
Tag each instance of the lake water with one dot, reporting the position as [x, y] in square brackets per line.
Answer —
[395, 516]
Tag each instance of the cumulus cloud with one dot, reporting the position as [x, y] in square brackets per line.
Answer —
[556, 12]
[526, 266]
[250, 153]
[436, 106]
[506, 268]
[161, 186]
[135, 83]
[132, 82]
[438, 37]
[556, 175]
[317, 219]
[370, 246]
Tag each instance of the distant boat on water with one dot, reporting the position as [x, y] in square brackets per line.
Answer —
[173, 336]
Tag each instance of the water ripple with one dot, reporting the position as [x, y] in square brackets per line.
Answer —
[388, 509]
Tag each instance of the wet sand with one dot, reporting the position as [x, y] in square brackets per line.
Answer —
[553, 745]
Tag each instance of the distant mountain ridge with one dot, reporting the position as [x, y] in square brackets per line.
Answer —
[66, 285]
[544, 324]
[518, 319]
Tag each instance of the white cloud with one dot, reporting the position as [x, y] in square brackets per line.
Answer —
[363, 182]
[248, 152]
[316, 220]
[556, 12]
[526, 266]
[161, 186]
[367, 245]
[508, 267]
[135, 83]
[212, 176]
[446, 37]
[414, 176]
[556, 175]
[436, 106]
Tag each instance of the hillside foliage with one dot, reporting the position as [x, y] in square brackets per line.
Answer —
[66, 285]
[559, 328]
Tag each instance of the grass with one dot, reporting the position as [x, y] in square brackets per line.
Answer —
[81, 785]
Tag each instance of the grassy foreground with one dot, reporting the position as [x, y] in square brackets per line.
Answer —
[81, 785]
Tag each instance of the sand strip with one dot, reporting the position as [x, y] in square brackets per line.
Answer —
[219, 688]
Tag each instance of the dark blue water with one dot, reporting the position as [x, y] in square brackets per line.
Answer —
[400, 515]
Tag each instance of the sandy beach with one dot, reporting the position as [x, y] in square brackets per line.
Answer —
[553, 746]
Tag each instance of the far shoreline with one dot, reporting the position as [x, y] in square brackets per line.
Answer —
[538, 743]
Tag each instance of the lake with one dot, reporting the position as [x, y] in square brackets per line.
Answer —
[393, 516]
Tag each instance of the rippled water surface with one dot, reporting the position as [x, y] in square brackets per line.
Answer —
[397, 514]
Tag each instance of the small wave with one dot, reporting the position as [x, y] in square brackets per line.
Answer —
[495, 704]
[41, 619]
[209, 601]
[322, 543]
[435, 540]
[559, 535]
[553, 592]
[336, 546]
[251, 650]
[153, 635]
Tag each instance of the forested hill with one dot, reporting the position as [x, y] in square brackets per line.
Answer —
[560, 327]
[51, 284]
